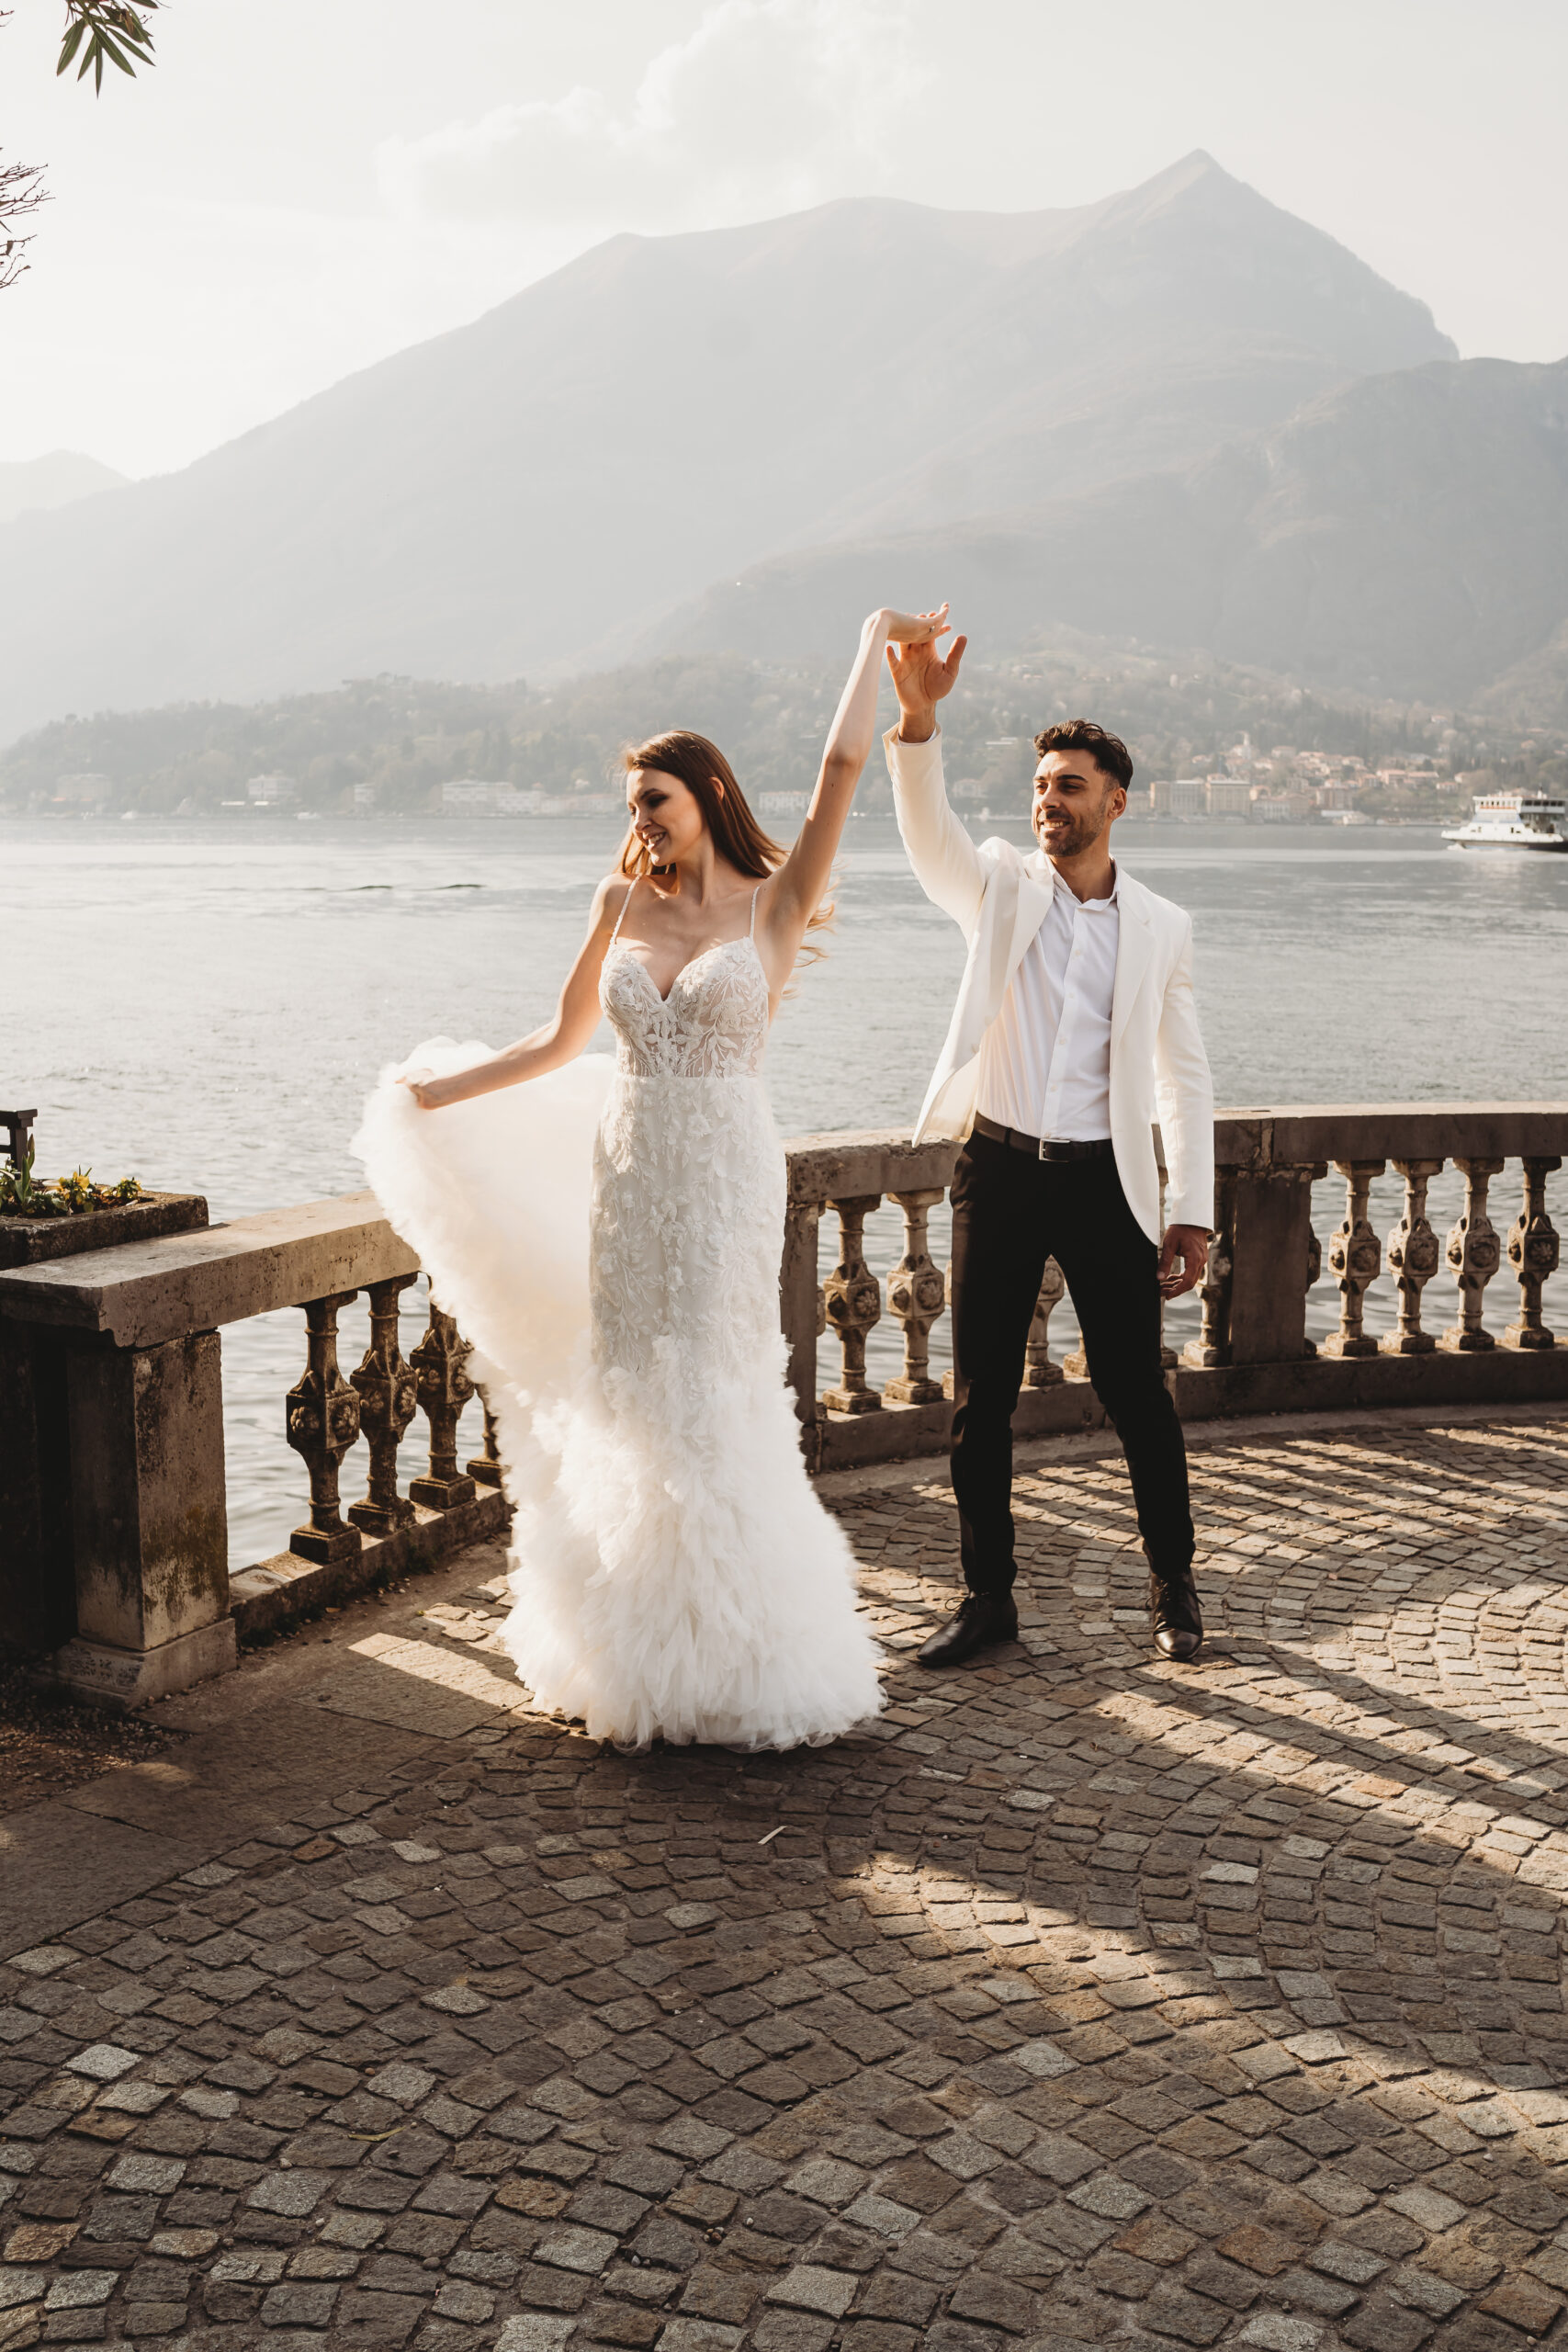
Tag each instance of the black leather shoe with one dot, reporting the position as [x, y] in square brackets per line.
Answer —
[1174, 1615]
[983, 1619]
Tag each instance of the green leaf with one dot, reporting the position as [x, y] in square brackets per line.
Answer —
[70, 44]
[114, 55]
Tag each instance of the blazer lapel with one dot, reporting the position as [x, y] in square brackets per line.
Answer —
[1019, 900]
[1134, 948]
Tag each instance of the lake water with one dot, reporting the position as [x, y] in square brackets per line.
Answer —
[205, 1006]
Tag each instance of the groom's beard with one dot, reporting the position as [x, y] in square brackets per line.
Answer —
[1069, 837]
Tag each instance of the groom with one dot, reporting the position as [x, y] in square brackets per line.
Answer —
[1075, 1024]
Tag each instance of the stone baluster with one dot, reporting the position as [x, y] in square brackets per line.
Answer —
[1474, 1254]
[1039, 1372]
[1414, 1256]
[485, 1467]
[855, 1306]
[1355, 1258]
[802, 1307]
[444, 1388]
[1213, 1345]
[1313, 1276]
[385, 1386]
[323, 1423]
[916, 1295]
[1532, 1254]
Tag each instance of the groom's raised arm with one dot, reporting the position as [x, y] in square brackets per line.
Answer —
[947, 865]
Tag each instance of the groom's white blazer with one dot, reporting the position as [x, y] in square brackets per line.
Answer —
[1000, 898]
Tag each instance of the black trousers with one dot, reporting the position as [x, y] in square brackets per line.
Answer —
[1010, 1214]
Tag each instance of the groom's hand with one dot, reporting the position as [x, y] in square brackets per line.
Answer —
[921, 677]
[1190, 1244]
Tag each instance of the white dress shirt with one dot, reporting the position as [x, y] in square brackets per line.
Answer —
[1045, 1064]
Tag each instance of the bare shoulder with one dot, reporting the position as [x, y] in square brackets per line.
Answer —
[610, 899]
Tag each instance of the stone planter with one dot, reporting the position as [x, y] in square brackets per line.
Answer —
[35, 1240]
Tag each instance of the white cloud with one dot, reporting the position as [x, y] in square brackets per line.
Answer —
[768, 106]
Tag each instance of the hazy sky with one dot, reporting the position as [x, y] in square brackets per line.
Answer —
[300, 188]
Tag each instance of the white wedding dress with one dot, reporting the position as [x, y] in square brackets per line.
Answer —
[609, 1237]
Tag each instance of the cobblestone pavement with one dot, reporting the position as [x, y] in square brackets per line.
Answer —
[1092, 2000]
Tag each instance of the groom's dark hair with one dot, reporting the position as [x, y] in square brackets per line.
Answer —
[1108, 752]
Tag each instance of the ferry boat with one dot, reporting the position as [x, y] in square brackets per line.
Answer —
[1513, 820]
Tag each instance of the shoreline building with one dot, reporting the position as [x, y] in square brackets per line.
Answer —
[1182, 796]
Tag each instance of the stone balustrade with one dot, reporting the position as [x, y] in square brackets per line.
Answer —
[113, 1506]
[1251, 1353]
[113, 1514]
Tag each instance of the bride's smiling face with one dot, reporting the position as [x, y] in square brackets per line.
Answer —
[667, 817]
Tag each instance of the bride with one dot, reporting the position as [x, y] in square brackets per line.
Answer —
[609, 1238]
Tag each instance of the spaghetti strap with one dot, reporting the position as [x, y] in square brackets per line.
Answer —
[620, 919]
[751, 927]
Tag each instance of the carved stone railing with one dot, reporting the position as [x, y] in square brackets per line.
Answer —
[113, 1505]
[1251, 1353]
[113, 1511]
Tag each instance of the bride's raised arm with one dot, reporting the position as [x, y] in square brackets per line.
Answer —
[789, 899]
[561, 1039]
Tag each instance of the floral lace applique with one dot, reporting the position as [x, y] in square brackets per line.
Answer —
[713, 1024]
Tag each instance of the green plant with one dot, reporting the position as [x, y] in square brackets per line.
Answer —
[24, 1195]
[17, 1186]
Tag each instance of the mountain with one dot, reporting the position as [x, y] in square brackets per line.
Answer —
[1405, 535]
[535, 489]
[53, 480]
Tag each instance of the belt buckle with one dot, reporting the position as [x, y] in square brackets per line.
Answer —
[1045, 1151]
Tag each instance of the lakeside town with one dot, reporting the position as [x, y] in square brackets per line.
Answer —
[1212, 744]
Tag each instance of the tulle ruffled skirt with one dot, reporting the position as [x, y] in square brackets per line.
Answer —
[610, 1242]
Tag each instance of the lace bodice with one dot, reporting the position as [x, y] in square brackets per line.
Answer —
[713, 1024]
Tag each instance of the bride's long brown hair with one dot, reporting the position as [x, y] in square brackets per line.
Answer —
[702, 767]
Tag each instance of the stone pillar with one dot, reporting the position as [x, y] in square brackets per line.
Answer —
[1271, 1254]
[916, 1295]
[1532, 1254]
[1355, 1258]
[321, 1423]
[444, 1388]
[385, 1386]
[1414, 1255]
[484, 1467]
[1474, 1254]
[802, 1307]
[1039, 1372]
[854, 1306]
[148, 1520]
[1213, 1345]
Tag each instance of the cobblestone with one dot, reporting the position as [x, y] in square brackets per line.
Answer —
[1086, 2001]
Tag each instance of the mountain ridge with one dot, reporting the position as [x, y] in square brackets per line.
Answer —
[665, 412]
[1404, 533]
[57, 479]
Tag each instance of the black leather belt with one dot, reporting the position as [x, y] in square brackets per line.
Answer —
[1043, 1147]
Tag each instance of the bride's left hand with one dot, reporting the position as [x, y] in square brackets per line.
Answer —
[425, 1088]
[915, 629]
